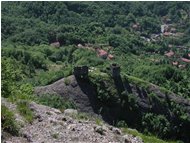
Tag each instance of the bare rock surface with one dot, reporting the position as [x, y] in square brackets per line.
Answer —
[78, 91]
[52, 126]
[70, 112]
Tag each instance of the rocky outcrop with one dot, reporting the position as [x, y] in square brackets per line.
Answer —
[52, 126]
[84, 95]
[77, 90]
[161, 102]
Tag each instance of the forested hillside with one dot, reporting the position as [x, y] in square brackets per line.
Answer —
[43, 41]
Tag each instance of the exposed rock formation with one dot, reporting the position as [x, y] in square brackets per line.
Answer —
[78, 90]
[85, 97]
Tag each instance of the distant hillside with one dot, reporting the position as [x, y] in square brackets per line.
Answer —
[149, 29]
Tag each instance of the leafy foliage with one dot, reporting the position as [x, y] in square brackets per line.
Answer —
[10, 74]
[25, 111]
[8, 122]
[106, 93]
[157, 124]
[55, 101]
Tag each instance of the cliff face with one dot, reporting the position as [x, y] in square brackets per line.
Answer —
[80, 91]
[51, 125]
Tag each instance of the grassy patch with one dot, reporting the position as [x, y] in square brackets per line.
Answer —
[137, 81]
[144, 84]
[67, 81]
[8, 122]
[55, 101]
[164, 90]
[98, 121]
[145, 138]
[82, 116]
[55, 136]
[25, 111]
[121, 123]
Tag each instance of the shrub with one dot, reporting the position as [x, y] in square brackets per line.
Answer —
[10, 74]
[157, 124]
[48, 77]
[106, 91]
[25, 111]
[31, 58]
[22, 92]
[8, 123]
[67, 81]
[121, 124]
[57, 56]
[132, 102]
[55, 136]
[98, 121]
[55, 101]
[29, 37]
[137, 81]
[82, 116]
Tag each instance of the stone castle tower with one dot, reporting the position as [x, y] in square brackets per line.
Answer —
[115, 70]
[81, 71]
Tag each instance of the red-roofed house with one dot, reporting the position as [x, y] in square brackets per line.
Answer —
[102, 53]
[166, 34]
[175, 63]
[169, 54]
[185, 60]
[110, 56]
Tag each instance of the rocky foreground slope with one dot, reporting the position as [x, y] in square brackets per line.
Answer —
[51, 125]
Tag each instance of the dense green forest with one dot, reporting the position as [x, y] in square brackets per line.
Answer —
[43, 41]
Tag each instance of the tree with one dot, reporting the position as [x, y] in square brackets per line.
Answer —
[10, 74]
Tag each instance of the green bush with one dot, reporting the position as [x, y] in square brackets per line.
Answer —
[106, 92]
[48, 77]
[121, 124]
[23, 92]
[98, 121]
[157, 124]
[30, 37]
[10, 74]
[27, 57]
[8, 122]
[25, 111]
[82, 116]
[146, 138]
[55, 101]
[132, 102]
[67, 81]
